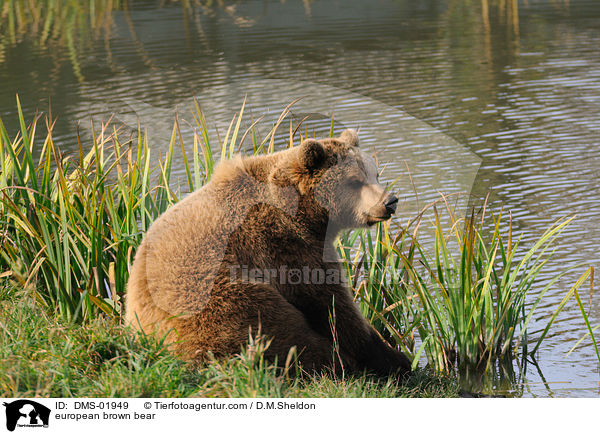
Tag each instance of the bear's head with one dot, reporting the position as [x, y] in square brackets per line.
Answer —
[336, 181]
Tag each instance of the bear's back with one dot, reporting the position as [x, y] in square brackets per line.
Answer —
[176, 265]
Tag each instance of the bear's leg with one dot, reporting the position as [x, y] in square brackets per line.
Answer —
[353, 333]
[239, 308]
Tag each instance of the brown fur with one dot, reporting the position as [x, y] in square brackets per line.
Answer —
[265, 212]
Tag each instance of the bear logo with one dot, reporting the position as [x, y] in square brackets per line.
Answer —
[25, 412]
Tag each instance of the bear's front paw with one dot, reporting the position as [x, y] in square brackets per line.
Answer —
[383, 360]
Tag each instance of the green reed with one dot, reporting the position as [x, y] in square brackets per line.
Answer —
[467, 304]
[70, 224]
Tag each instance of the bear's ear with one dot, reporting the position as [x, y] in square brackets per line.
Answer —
[312, 154]
[349, 137]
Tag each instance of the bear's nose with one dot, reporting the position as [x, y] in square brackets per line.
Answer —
[390, 204]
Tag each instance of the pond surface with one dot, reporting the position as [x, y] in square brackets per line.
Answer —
[488, 96]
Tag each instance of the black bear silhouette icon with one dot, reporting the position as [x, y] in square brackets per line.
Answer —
[26, 412]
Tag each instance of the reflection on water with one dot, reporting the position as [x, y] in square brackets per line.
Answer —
[515, 83]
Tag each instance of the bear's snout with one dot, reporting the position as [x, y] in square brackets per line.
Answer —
[390, 204]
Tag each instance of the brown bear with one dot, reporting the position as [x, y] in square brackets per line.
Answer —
[253, 249]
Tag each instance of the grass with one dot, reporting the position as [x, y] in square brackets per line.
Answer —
[70, 226]
[43, 355]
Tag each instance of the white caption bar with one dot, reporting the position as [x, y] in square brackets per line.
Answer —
[75, 415]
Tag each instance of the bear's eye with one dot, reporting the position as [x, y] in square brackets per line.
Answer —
[355, 183]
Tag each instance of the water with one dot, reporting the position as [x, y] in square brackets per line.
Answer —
[497, 95]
